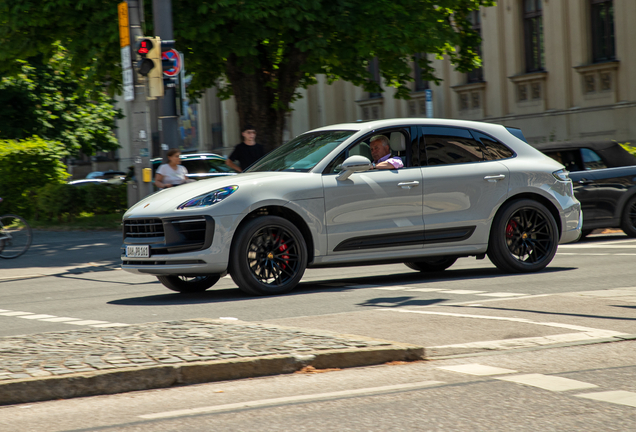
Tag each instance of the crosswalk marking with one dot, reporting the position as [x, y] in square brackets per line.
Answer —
[36, 316]
[15, 313]
[619, 397]
[477, 369]
[547, 382]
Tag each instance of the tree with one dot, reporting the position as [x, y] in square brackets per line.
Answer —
[46, 100]
[263, 51]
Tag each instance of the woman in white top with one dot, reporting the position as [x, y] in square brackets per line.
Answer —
[172, 173]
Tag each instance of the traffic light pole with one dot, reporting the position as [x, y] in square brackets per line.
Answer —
[168, 120]
[139, 115]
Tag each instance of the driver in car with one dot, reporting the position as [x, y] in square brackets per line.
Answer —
[381, 153]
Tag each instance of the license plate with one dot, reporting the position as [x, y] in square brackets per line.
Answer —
[138, 251]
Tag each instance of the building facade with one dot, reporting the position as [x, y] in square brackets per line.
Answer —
[561, 70]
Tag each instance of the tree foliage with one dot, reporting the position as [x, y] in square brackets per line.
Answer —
[263, 51]
[46, 100]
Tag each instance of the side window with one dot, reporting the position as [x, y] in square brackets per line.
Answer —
[591, 160]
[447, 145]
[494, 149]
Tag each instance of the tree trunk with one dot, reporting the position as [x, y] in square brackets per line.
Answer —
[263, 97]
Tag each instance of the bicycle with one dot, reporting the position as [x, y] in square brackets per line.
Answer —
[15, 236]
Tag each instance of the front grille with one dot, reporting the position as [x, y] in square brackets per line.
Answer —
[143, 228]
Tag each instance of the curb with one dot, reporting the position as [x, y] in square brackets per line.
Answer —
[146, 378]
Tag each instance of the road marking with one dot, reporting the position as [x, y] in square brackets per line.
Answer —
[59, 319]
[292, 399]
[463, 292]
[502, 294]
[619, 397]
[393, 288]
[596, 254]
[14, 313]
[36, 316]
[63, 320]
[477, 369]
[546, 382]
[86, 322]
[504, 344]
[424, 289]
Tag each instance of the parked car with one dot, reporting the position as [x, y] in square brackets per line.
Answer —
[106, 175]
[200, 165]
[604, 178]
[466, 189]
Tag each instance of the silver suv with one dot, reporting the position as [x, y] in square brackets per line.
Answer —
[466, 189]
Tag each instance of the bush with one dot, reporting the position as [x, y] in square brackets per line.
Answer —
[59, 201]
[25, 167]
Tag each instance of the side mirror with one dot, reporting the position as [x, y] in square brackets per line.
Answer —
[352, 165]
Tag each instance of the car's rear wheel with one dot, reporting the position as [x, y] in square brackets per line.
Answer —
[268, 256]
[189, 284]
[434, 264]
[628, 221]
[523, 238]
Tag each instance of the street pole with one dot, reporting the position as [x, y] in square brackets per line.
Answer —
[168, 124]
[139, 118]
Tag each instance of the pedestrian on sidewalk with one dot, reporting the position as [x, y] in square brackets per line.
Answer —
[247, 152]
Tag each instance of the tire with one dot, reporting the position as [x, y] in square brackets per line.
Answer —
[15, 236]
[189, 284]
[268, 256]
[523, 238]
[434, 264]
[628, 219]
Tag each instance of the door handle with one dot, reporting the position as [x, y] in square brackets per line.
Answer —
[495, 178]
[408, 185]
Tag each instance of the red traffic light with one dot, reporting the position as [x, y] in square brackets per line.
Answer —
[145, 45]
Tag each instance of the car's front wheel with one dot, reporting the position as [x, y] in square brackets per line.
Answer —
[268, 256]
[434, 264]
[189, 284]
[523, 238]
[628, 221]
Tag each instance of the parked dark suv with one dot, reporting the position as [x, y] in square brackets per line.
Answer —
[200, 165]
[604, 179]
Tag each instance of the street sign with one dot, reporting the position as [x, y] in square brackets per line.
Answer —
[124, 32]
[429, 103]
[173, 56]
[127, 72]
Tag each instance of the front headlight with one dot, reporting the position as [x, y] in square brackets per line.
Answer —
[209, 198]
[562, 175]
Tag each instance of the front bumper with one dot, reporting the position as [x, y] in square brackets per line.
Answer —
[188, 245]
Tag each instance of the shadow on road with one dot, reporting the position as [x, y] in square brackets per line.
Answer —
[332, 285]
[539, 312]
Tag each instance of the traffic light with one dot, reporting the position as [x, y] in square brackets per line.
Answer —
[150, 65]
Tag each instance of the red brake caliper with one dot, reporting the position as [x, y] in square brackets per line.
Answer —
[510, 229]
[282, 248]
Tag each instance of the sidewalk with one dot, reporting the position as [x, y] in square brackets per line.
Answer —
[68, 364]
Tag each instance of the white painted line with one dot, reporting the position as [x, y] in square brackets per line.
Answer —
[477, 369]
[37, 316]
[612, 245]
[619, 397]
[5, 310]
[463, 292]
[501, 294]
[110, 325]
[60, 319]
[393, 288]
[21, 277]
[14, 313]
[424, 289]
[546, 382]
[291, 399]
[86, 322]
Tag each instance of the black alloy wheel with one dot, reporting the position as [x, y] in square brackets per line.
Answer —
[189, 284]
[268, 256]
[628, 221]
[433, 264]
[524, 237]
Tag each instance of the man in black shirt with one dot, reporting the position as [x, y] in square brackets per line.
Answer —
[247, 152]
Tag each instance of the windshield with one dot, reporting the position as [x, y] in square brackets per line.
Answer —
[302, 153]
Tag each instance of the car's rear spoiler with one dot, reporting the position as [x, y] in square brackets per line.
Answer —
[517, 132]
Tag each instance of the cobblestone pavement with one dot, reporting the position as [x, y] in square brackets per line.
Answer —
[96, 361]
